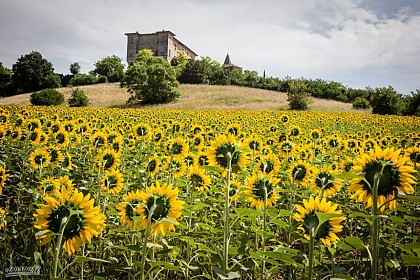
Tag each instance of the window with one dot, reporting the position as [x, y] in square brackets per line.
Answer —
[156, 53]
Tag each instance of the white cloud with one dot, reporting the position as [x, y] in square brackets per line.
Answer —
[346, 41]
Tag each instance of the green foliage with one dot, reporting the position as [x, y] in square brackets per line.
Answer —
[386, 101]
[5, 80]
[297, 95]
[110, 67]
[360, 103]
[413, 104]
[32, 72]
[75, 68]
[151, 80]
[82, 80]
[179, 62]
[47, 97]
[78, 98]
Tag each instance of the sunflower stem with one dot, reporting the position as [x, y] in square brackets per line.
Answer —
[57, 247]
[146, 237]
[264, 228]
[226, 219]
[375, 225]
[311, 255]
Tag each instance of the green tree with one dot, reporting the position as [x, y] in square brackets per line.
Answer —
[360, 103]
[110, 67]
[75, 68]
[78, 98]
[298, 95]
[47, 97]
[32, 72]
[5, 80]
[413, 104]
[179, 62]
[386, 101]
[151, 80]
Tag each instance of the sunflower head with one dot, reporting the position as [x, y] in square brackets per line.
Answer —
[128, 209]
[112, 181]
[259, 187]
[388, 169]
[310, 222]
[198, 179]
[225, 151]
[161, 203]
[74, 214]
[300, 172]
[324, 181]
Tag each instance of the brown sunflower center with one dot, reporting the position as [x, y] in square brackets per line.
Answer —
[151, 166]
[141, 131]
[389, 180]
[258, 188]
[299, 172]
[130, 209]
[222, 155]
[203, 160]
[75, 224]
[109, 161]
[325, 180]
[163, 206]
[311, 221]
[267, 166]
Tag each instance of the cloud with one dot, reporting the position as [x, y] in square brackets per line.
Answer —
[356, 42]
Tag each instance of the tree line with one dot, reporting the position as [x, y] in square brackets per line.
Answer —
[153, 80]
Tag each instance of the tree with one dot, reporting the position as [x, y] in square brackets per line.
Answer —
[78, 98]
[360, 103]
[110, 67]
[47, 97]
[413, 104]
[386, 101]
[5, 80]
[75, 68]
[179, 62]
[32, 72]
[151, 80]
[297, 95]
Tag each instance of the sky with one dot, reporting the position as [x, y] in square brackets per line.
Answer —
[360, 43]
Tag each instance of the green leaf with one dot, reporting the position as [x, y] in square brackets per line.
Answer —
[243, 212]
[225, 276]
[410, 246]
[286, 213]
[166, 265]
[409, 197]
[348, 176]
[410, 260]
[356, 242]
[214, 169]
[87, 259]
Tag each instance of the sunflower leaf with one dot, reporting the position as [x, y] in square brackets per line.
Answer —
[410, 260]
[213, 169]
[356, 242]
[80, 259]
[410, 197]
[348, 176]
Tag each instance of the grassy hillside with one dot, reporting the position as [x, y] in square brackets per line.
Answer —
[196, 97]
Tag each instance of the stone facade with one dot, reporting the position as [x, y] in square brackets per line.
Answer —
[162, 43]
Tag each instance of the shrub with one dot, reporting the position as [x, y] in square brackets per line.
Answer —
[386, 101]
[78, 98]
[360, 103]
[82, 80]
[102, 80]
[297, 95]
[47, 97]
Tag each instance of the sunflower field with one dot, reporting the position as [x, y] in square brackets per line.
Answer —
[91, 193]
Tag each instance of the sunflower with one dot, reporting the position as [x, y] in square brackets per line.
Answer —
[347, 164]
[142, 131]
[128, 209]
[2, 218]
[233, 129]
[34, 136]
[269, 165]
[294, 130]
[48, 186]
[255, 190]
[177, 148]
[286, 147]
[235, 190]
[396, 176]
[65, 182]
[16, 133]
[106, 160]
[198, 179]
[306, 215]
[414, 154]
[167, 208]
[324, 182]
[87, 223]
[3, 177]
[158, 136]
[39, 158]
[112, 181]
[176, 167]
[254, 143]
[284, 118]
[55, 154]
[62, 137]
[198, 141]
[153, 165]
[300, 172]
[315, 134]
[223, 148]
[197, 129]
[202, 158]
[98, 140]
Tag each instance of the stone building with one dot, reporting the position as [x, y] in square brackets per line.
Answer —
[229, 65]
[162, 43]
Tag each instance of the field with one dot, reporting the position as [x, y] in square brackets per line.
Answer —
[111, 193]
[196, 97]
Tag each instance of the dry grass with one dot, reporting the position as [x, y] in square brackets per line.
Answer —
[196, 97]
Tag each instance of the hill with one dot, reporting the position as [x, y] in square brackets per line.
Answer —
[196, 97]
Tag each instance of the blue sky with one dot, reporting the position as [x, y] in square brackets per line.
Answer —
[359, 43]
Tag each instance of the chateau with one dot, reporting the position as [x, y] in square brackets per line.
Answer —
[162, 43]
